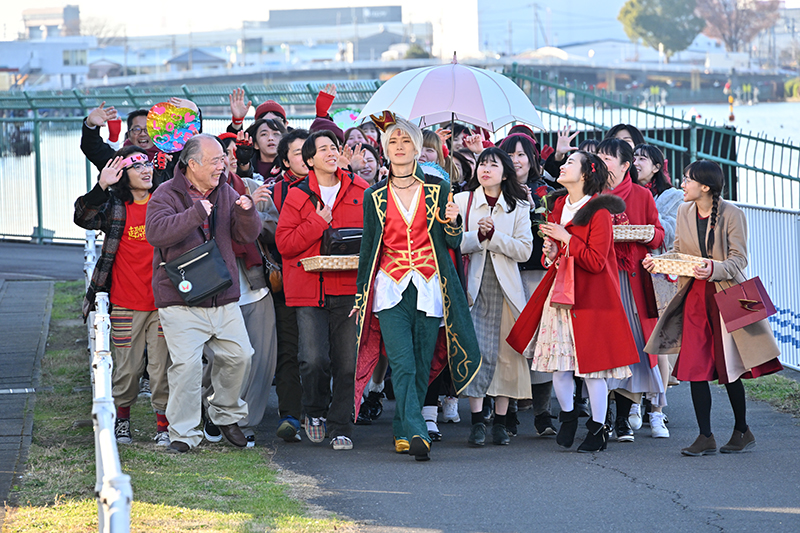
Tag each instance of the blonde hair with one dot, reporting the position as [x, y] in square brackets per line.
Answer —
[412, 130]
[431, 140]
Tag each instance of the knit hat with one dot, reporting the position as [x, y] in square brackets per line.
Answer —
[270, 105]
[321, 124]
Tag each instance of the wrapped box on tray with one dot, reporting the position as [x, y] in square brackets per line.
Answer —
[632, 233]
[676, 264]
[326, 263]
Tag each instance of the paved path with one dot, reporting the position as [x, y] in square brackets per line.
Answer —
[531, 485]
[26, 295]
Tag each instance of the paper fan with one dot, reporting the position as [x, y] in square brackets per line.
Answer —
[170, 127]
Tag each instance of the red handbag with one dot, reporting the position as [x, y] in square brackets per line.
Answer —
[564, 284]
[744, 303]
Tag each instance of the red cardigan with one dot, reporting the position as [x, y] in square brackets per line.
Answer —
[299, 235]
[603, 338]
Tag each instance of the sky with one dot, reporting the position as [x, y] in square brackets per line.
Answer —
[454, 21]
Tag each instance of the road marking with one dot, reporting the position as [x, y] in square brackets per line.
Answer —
[17, 391]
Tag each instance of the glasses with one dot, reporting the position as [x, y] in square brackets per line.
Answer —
[138, 167]
[136, 130]
[687, 179]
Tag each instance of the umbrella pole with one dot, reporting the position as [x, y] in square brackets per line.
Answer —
[452, 166]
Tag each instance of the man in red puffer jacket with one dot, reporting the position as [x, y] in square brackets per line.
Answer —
[328, 197]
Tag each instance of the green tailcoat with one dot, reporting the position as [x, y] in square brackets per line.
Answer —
[459, 345]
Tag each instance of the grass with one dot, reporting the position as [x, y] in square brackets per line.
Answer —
[214, 488]
[779, 391]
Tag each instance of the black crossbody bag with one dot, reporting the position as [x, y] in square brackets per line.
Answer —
[200, 273]
[335, 241]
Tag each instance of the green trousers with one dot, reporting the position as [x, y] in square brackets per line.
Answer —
[410, 339]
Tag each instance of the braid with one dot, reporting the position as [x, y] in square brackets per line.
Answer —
[712, 223]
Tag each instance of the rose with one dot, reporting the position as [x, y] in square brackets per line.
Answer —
[541, 191]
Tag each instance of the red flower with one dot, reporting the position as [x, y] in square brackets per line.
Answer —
[541, 192]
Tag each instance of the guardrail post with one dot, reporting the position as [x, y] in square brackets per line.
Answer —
[37, 140]
[112, 487]
[89, 260]
[693, 140]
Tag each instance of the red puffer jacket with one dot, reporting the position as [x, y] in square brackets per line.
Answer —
[299, 235]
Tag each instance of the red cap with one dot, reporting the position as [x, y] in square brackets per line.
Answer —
[270, 105]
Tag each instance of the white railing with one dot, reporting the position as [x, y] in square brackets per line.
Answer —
[774, 252]
[113, 487]
[89, 260]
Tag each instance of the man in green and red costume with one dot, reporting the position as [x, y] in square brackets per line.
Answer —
[408, 286]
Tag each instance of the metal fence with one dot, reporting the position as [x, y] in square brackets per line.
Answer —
[758, 170]
[42, 170]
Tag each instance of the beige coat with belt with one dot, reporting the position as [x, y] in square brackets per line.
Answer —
[755, 343]
[510, 244]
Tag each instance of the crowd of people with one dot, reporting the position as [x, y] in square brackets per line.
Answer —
[459, 291]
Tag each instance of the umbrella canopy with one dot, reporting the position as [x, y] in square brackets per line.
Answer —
[432, 95]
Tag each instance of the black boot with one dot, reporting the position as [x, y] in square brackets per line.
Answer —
[569, 425]
[597, 438]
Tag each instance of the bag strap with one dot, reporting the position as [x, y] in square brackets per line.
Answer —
[306, 188]
[211, 219]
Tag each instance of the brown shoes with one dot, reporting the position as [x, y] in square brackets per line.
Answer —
[702, 446]
[234, 435]
[740, 442]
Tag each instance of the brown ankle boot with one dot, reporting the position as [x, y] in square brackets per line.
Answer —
[702, 446]
[740, 442]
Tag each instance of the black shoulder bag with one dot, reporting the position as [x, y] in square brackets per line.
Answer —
[200, 273]
[335, 241]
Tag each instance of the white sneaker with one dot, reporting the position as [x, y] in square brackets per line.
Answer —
[450, 410]
[635, 417]
[657, 427]
[162, 438]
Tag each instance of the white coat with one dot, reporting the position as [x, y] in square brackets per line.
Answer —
[510, 244]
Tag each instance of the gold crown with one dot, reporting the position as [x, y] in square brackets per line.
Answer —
[385, 120]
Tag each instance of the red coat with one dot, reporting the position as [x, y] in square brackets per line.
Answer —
[299, 235]
[603, 338]
[640, 209]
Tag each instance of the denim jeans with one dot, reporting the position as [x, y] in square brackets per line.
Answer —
[327, 349]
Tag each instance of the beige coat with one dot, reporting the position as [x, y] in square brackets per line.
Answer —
[511, 244]
[755, 343]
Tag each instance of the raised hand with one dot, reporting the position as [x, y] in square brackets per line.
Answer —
[111, 173]
[238, 108]
[444, 134]
[357, 159]
[161, 160]
[182, 102]
[100, 115]
[244, 149]
[330, 89]
[474, 143]
[345, 155]
[563, 145]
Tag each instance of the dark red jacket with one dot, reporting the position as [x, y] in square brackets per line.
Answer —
[299, 235]
[603, 338]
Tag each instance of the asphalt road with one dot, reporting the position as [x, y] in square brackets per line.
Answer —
[531, 485]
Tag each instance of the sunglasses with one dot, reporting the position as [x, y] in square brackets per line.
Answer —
[138, 167]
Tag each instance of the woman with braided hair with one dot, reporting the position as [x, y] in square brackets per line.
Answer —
[712, 228]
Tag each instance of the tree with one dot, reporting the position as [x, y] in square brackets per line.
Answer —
[416, 51]
[671, 23]
[737, 22]
[108, 33]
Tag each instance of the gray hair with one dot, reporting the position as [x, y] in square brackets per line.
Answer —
[193, 150]
[412, 130]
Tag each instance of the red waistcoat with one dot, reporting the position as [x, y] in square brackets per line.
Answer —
[407, 246]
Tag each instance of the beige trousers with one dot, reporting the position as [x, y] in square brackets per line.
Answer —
[131, 332]
[187, 330]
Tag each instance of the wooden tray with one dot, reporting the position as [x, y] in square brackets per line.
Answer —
[631, 233]
[676, 264]
[328, 263]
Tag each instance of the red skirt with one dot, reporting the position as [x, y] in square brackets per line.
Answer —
[701, 357]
